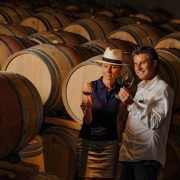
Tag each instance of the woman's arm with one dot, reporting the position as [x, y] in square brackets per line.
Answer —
[86, 107]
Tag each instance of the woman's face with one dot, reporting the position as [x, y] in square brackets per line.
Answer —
[110, 72]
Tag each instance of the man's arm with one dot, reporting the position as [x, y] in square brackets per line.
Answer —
[153, 113]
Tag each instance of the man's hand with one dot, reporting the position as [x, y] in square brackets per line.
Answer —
[125, 96]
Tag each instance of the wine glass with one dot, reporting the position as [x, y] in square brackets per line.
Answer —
[87, 91]
[126, 82]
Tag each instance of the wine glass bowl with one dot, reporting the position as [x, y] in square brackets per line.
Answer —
[127, 80]
[86, 91]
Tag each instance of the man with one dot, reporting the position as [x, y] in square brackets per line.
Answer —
[143, 149]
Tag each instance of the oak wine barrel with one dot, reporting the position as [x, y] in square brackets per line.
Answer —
[46, 9]
[175, 124]
[33, 153]
[62, 143]
[125, 20]
[175, 21]
[169, 65]
[169, 28]
[154, 16]
[82, 15]
[106, 13]
[170, 41]
[10, 45]
[172, 166]
[139, 34]
[44, 22]
[122, 10]
[92, 28]
[59, 37]
[100, 46]
[12, 15]
[16, 30]
[21, 113]
[63, 17]
[40, 176]
[46, 66]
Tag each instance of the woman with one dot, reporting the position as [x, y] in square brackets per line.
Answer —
[98, 140]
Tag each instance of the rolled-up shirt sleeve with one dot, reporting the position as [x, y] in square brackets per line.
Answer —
[151, 113]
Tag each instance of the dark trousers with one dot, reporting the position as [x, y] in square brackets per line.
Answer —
[142, 170]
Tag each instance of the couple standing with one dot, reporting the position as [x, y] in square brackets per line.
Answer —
[143, 148]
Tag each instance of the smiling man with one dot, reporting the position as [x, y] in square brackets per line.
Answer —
[143, 149]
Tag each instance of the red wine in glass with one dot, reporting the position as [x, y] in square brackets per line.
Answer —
[87, 93]
[87, 89]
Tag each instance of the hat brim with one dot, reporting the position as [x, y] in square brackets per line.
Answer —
[105, 62]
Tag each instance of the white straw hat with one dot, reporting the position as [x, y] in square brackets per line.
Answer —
[112, 56]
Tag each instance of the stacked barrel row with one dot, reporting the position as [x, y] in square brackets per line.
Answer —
[57, 46]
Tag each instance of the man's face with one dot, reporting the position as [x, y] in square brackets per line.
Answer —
[144, 68]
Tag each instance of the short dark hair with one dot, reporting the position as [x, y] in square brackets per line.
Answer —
[149, 51]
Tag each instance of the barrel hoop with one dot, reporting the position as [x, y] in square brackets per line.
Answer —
[48, 64]
[36, 40]
[58, 20]
[173, 37]
[26, 136]
[18, 14]
[24, 154]
[5, 15]
[67, 57]
[124, 52]
[111, 42]
[48, 60]
[8, 47]
[20, 27]
[89, 30]
[94, 47]
[39, 110]
[172, 70]
[100, 27]
[45, 40]
[40, 39]
[74, 48]
[79, 38]
[98, 49]
[8, 29]
[34, 35]
[63, 135]
[19, 41]
[13, 86]
[45, 22]
[58, 36]
[58, 74]
[134, 35]
[146, 33]
[168, 67]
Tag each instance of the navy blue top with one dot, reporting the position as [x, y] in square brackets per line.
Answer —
[105, 107]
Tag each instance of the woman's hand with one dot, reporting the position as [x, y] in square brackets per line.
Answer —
[125, 96]
[86, 107]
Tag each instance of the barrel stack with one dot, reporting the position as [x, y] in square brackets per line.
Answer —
[47, 48]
